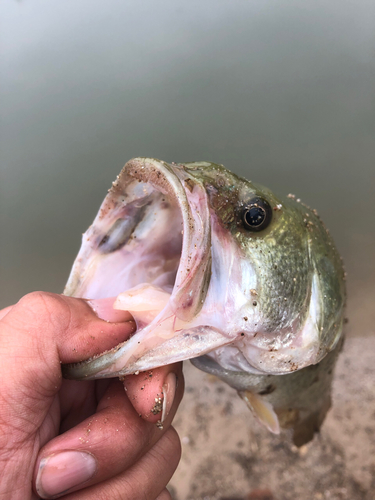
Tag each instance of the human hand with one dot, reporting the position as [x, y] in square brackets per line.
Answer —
[61, 436]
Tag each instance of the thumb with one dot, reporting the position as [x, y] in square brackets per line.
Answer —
[36, 335]
[44, 330]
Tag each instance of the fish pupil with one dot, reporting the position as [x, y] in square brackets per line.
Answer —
[257, 214]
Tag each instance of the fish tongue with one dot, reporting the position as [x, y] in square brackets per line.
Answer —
[144, 302]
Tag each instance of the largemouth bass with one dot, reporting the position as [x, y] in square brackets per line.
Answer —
[216, 268]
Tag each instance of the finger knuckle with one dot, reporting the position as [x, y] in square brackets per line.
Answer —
[47, 307]
[36, 299]
[139, 434]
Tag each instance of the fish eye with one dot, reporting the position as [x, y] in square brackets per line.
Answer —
[257, 214]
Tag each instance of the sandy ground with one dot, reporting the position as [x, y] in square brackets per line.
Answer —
[227, 455]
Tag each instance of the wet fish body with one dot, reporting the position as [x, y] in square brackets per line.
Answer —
[216, 268]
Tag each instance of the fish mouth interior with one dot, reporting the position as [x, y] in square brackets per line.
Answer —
[153, 231]
[136, 238]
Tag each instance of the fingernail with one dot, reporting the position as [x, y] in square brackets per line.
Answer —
[63, 471]
[103, 308]
[169, 391]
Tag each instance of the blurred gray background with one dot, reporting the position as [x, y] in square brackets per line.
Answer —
[282, 92]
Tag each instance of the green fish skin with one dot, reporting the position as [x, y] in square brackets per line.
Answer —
[219, 269]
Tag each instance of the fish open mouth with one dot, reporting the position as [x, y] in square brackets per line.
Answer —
[160, 248]
[149, 246]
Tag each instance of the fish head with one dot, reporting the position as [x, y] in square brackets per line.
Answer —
[209, 264]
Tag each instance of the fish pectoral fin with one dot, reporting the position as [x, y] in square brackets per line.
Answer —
[263, 410]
